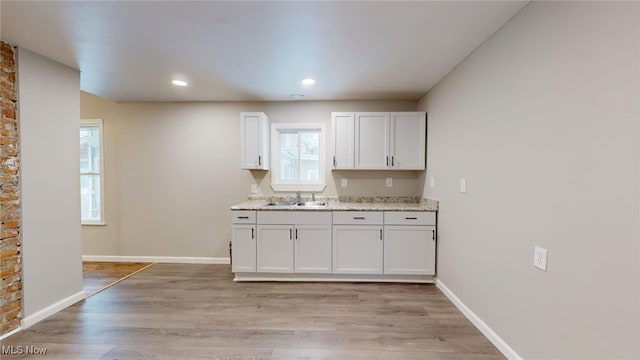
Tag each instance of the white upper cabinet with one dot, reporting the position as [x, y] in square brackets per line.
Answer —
[342, 140]
[407, 143]
[254, 141]
[378, 140]
[372, 141]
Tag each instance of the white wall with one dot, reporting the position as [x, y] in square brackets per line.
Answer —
[173, 170]
[542, 121]
[49, 109]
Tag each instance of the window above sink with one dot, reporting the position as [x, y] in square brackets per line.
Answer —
[298, 157]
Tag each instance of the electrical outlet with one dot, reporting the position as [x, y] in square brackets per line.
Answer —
[540, 258]
[463, 185]
[254, 188]
[389, 182]
[344, 183]
[432, 182]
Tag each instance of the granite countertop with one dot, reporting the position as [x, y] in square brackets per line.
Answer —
[376, 203]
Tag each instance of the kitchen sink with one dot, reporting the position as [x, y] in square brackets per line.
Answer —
[312, 204]
[281, 203]
[301, 204]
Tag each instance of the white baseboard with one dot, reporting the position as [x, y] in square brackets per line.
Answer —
[4, 336]
[157, 259]
[52, 309]
[496, 340]
[329, 277]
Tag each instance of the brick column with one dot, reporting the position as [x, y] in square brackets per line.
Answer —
[10, 261]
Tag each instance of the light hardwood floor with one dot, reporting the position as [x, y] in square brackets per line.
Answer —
[97, 275]
[178, 311]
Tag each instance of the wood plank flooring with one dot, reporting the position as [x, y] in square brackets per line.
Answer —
[98, 276]
[180, 312]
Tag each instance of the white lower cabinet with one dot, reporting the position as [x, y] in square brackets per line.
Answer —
[409, 250]
[312, 249]
[338, 242]
[292, 241]
[243, 248]
[357, 242]
[409, 243]
[243, 241]
[275, 248]
[357, 249]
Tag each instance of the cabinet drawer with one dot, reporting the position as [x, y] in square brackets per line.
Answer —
[409, 218]
[358, 217]
[294, 217]
[243, 217]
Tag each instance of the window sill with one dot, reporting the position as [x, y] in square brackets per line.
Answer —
[298, 187]
[97, 223]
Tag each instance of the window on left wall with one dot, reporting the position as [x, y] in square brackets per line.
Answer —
[91, 172]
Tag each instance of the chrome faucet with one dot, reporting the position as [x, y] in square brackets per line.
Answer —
[298, 197]
[313, 196]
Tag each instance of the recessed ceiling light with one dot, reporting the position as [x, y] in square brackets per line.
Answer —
[179, 83]
[308, 81]
[296, 96]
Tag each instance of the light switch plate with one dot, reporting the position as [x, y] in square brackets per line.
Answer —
[344, 183]
[254, 188]
[463, 185]
[432, 182]
[389, 182]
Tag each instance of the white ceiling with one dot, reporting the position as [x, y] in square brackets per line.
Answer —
[237, 50]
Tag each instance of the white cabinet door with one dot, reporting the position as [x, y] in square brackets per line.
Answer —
[254, 140]
[275, 248]
[357, 249]
[342, 140]
[372, 141]
[409, 250]
[407, 140]
[243, 248]
[312, 249]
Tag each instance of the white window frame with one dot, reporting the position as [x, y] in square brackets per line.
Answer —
[278, 185]
[96, 123]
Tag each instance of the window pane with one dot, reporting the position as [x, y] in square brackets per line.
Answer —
[90, 197]
[89, 150]
[288, 156]
[309, 156]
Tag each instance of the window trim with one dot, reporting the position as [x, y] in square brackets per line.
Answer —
[275, 154]
[99, 124]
